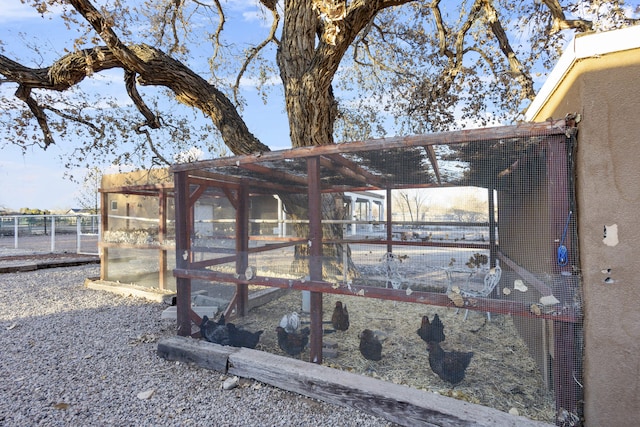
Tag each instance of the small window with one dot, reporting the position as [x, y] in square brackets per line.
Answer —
[114, 205]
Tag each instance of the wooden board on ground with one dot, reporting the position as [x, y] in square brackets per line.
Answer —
[400, 404]
[199, 352]
[156, 295]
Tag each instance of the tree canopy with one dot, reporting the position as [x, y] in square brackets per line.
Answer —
[341, 69]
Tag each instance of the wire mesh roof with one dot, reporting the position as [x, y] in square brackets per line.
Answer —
[487, 157]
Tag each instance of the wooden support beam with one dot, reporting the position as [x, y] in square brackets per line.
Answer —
[104, 226]
[183, 242]
[431, 154]
[162, 230]
[315, 256]
[349, 169]
[540, 286]
[565, 362]
[242, 249]
[195, 195]
[341, 160]
[270, 174]
[499, 306]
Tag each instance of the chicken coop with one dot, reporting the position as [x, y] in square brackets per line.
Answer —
[137, 229]
[499, 250]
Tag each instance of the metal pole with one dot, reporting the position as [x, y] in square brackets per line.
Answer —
[53, 233]
[78, 234]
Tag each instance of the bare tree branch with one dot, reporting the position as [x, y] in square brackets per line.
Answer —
[103, 28]
[517, 70]
[560, 22]
[253, 52]
[24, 93]
[153, 121]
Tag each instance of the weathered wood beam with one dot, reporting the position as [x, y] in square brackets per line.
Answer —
[342, 171]
[270, 173]
[431, 154]
[498, 306]
[183, 231]
[195, 195]
[350, 169]
[542, 287]
[314, 209]
[397, 403]
[143, 190]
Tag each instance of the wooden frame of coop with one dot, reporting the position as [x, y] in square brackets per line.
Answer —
[312, 172]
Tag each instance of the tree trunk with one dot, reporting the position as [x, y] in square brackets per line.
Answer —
[332, 254]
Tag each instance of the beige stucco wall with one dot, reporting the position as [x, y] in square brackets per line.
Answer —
[605, 90]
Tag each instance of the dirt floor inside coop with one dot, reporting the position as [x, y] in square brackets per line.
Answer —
[502, 375]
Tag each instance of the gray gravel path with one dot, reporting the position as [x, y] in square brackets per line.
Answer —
[71, 356]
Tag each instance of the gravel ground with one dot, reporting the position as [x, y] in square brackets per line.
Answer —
[75, 356]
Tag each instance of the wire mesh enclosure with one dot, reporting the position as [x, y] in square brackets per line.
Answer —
[137, 227]
[476, 226]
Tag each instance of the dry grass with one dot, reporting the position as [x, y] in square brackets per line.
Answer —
[501, 375]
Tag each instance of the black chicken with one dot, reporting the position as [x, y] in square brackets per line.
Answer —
[215, 332]
[340, 317]
[370, 345]
[239, 337]
[431, 331]
[450, 366]
[293, 343]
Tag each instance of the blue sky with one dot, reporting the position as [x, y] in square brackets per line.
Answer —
[36, 179]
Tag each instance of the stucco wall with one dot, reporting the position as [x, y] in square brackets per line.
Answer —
[605, 90]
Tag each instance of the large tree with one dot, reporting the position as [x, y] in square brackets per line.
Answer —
[397, 65]
[371, 67]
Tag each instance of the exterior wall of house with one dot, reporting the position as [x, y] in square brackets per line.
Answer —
[604, 89]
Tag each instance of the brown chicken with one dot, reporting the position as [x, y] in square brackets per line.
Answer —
[293, 343]
[370, 345]
[450, 366]
[431, 331]
[340, 317]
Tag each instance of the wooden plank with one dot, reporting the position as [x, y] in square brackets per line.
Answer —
[397, 403]
[431, 154]
[499, 306]
[356, 168]
[199, 352]
[540, 286]
[314, 213]
[126, 290]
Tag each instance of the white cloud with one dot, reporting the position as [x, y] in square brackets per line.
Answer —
[13, 10]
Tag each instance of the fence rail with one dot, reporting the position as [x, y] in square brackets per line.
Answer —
[51, 233]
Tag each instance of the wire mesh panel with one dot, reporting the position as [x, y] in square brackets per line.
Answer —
[476, 227]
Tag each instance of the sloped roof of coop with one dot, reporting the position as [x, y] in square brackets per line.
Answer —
[478, 157]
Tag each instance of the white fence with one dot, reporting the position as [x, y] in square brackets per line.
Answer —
[51, 233]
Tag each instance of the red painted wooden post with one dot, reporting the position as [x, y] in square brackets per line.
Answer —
[242, 249]
[315, 256]
[558, 187]
[183, 246]
[162, 229]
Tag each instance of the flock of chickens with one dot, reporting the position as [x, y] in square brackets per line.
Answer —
[450, 366]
